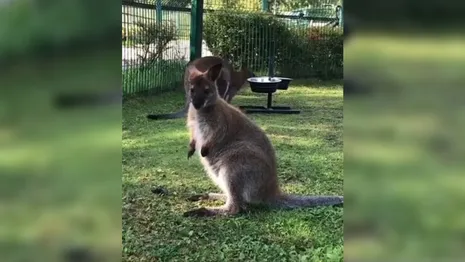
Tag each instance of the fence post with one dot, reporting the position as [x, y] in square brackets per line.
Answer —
[265, 5]
[159, 21]
[196, 29]
[341, 16]
[266, 8]
[158, 6]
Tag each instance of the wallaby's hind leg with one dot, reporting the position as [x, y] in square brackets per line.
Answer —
[231, 95]
[232, 207]
[207, 196]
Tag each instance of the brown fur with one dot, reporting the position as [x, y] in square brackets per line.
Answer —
[235, 152]
[229, 82]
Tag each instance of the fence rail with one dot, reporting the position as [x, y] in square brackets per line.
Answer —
[157, 41]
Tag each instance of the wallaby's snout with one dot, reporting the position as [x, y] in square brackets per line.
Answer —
[197, 105]
[199, 96]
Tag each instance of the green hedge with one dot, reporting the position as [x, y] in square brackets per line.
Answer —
[244, 38]
[251, 38]
[314, 52]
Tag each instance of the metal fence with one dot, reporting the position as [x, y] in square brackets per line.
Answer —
[159, 37]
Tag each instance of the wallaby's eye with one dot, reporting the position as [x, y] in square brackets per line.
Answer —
[192, 90]
[207, 91]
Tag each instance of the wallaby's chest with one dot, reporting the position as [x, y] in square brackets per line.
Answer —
[199, 135]
[202, 130]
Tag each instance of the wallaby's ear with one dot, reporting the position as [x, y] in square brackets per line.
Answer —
[193, 73]
[214, 72]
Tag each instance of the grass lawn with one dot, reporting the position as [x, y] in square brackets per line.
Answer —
[310, 155]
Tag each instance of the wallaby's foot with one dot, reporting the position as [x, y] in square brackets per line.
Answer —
[198, 197]
[204, 151]
[199, 212]
[209, 212]
[208, 196]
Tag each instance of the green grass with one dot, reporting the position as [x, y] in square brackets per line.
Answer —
[309, 150]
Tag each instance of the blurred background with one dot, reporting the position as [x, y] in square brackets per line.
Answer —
[60, 131]
[404, 131]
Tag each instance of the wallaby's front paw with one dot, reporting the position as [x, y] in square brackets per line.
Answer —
[199, 212]
[204, 151]
[198, 197]
[190, 153]
[191, 150]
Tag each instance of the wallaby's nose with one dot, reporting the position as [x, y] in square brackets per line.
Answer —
[197, 105]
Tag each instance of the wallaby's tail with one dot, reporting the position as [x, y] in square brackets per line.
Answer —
[179, 114]
[297, 201]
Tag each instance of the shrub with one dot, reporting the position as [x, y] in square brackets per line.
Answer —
[314, 52]
[245, 38]
[299, 52]
[153, 39]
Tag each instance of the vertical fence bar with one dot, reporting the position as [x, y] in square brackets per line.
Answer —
[196, 29]
[159, 17]
[341, 16]
[158, 76]
[265, 6]
[271, 46]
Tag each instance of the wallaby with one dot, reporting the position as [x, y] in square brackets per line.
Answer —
[229, 82]
[235, 152]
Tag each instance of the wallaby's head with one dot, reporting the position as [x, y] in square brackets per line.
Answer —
[240, 77]
[246, 72]
[202, 90]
